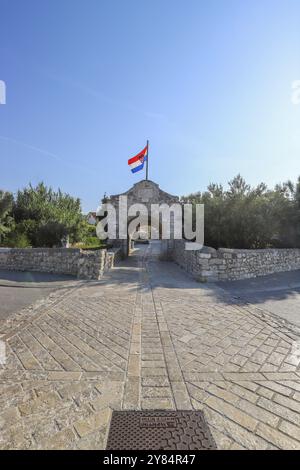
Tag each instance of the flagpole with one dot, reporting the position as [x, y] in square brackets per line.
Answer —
[147, 159]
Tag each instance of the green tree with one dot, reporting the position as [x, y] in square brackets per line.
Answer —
[6, 221]
[47, 216]
[245, 217]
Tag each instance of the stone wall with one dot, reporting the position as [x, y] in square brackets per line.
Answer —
[85, 264]
[209, 264]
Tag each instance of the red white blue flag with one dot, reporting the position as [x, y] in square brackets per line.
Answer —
[137, 163]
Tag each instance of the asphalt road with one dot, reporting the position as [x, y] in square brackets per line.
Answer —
[278, 293]
[21, 289]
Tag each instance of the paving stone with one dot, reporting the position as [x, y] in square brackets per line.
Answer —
[153, 372]
[148, 345]
[265, 392]
[250, 366]
[154, 392]
[15, 437]
[244, 393]
[96, 421]
[281, 376]
[67, 416]
[9, 417]
[287, 402]
[244, 384]
[135, 347]
[222, 393]
[223, 441]
[276, 358]
[181, 396]
[236, 446]
[259, 357]
[43, 357]
[276, 437]
[202, 376]
[37, 405]
[62, 375]
[231, 412]
[247, 376]
[276, 387]
[279, 410]
[153, 357]
[155, 381]
[153, 364]
[157, 404]
[258, 413]
[24, 354]
[236, 432]
[94, 441]
[134, 366]
[73, 390]
[290, 429]
[131, 399]
[42, 428]
[59, 441]
[105, 400]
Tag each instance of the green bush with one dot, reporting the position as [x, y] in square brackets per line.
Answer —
[47, 217]
[17, 240]
[92, 242]
[50, 234]
[245, 217]
[6, 221]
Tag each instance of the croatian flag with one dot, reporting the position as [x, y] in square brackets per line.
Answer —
[137, 163]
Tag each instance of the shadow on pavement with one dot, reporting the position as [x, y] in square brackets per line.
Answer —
[19, 290]
[278, 293]
[32, 277]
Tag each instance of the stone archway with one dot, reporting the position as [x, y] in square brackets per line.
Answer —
[144, 192]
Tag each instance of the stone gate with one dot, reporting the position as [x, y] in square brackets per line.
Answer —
[144, 192]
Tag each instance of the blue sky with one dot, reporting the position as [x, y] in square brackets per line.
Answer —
[88, 82]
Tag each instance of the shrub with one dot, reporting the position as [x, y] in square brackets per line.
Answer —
[6, 221]
[47, 217]
[245, 217]
[17, 240]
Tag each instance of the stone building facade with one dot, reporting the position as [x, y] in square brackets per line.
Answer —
[144, 192]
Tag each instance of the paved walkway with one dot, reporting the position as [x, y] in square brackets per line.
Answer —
[147, 337]
[277, 293]
[20, 289]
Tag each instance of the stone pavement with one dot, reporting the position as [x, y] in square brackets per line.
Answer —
[147, 337]
[278, 293]
[20, 289]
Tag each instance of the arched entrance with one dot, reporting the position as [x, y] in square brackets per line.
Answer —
[144, 192]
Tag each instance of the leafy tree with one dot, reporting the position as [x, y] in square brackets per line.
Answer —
[16, 239]
[47, 216]
[245, 217]
[6, 221]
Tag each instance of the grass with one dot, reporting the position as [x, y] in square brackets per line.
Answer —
[92, 244]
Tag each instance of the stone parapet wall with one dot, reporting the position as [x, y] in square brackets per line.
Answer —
[209, 264]
[85, 264]
[113, 256]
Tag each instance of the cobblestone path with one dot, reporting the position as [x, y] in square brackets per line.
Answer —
[147, 337]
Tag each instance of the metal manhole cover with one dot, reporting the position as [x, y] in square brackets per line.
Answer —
[164, 430]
